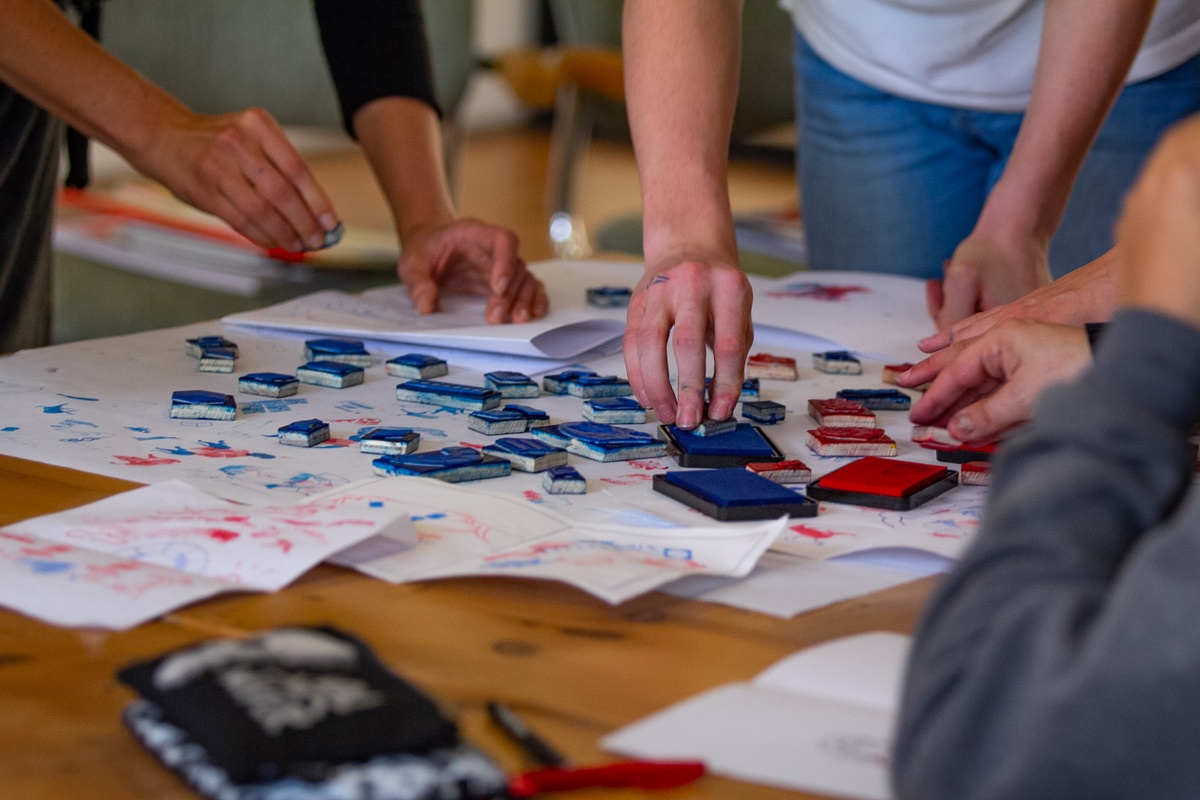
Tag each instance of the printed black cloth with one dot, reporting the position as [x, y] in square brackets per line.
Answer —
[289, 702]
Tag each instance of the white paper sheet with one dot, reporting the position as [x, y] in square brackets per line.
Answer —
[820, 720]
[386, 314]
[463, 531]
[134, 556]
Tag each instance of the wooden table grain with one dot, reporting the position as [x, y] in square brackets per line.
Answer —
[574, 666]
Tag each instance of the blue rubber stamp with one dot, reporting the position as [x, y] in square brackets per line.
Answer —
[450, 464]
[345, 351]
[601, 442]
[389, 441]
[217, 359]
[304, 433]
[534, 417]
[609, 296]
[750, 389]
[745, 444]
[268, 384]
[837, 362]
[497, 421]
[197, 346]
[599, 386]
[333, 374]
[564, 480]
[733, 494]
[878, 399]
[614, 410]
[511, 385]
[527, 455]
[715, 427]
[557, 384]
[416, 365]
[199, 404]
[766, 412]
[449, 395]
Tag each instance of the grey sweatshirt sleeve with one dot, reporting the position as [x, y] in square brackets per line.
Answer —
[1062, 657]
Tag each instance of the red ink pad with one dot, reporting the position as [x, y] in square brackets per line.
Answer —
[884, 483]
[838, 413]
[851, 442]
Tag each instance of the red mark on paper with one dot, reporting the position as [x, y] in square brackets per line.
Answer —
[149, 460]
[815, 533]
[222, 535]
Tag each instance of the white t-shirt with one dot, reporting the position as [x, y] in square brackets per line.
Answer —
[965, 53]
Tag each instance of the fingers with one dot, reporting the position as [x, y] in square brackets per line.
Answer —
[962, 371]
[961, 295]
[992, 415]
[691, 357]
[733, 334]
[314, 203]
[648, 338]
[416, 271]
[925, 371]
[935, 299]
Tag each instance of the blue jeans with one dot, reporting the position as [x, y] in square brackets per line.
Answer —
[893, 185]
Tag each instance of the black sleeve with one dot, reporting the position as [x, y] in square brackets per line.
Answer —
[1061, 657]
[375, 48]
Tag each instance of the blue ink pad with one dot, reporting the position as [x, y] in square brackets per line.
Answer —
[733, 494]
[197, 346]
[389, 441]
[878, 399]
[511, 385]
[199, 404]
[450, 395]
[745, 444]
[304, 433]
[334, 374]
[217, 359]
[614, 410]
[345, 351]
[767, 412]
[837, 362]
[564, 480]
[600, 442]
[416, 365]
[268, 384]
[450, 464]
[557, 384]
[528, 455]
[609, 296]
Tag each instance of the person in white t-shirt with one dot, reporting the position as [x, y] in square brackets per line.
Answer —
[933, 134]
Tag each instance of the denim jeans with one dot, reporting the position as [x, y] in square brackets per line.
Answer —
[893, 185]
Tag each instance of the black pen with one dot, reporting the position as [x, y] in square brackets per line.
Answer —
[523, 735]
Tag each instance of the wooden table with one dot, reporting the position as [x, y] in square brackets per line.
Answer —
[574, 666]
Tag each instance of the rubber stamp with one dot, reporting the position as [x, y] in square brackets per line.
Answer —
[791, 471]
[557, 384]
[837, 362]
[268, 384]
[614, 410]
[344, 351]
[609, 296]
[564, 480]
[450, 464]
[975, 473]
[527, 455]
[217, 359]
[766, 412]
[838, 413]
[333, 374]
[449, 395]
[769, 367]
[389, 441]
[416, 365]
[199, 404]
[851, 442]
[196, 347]
[511, 385]
[878, 399]
[601, 442]
[304, 433]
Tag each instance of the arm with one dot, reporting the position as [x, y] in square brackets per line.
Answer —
[379, 60]
[1064, 639]
[1086, 50]
[238, 166]
[681, 68]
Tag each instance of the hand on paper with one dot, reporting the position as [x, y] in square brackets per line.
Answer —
[707, 302]
[987, 385]
[242, 168]
[1087, 294]
[1158, 239]
[983, 273]
[474, 257]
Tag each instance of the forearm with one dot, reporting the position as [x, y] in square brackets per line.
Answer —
[681, 72]
[402, 140]
[1034, 651]
[61, 69]
[1086, 50]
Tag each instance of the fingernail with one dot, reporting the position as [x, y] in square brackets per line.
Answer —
[903, 376]
[297, 246]
[329, 220]
[316, 241]
[688, 419]
[963, 427]
[501, 285]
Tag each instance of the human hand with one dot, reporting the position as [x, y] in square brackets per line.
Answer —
[707, 303]
[242, 168]
[1087, 294]
[985, 273]
[473, 257]
[1158, 235]
[987, 385]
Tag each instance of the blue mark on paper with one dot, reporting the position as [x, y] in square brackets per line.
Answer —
[263, 406]
[74, 397]
[352, 406]
[9, 429]
[44, 566]
[59, 409]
